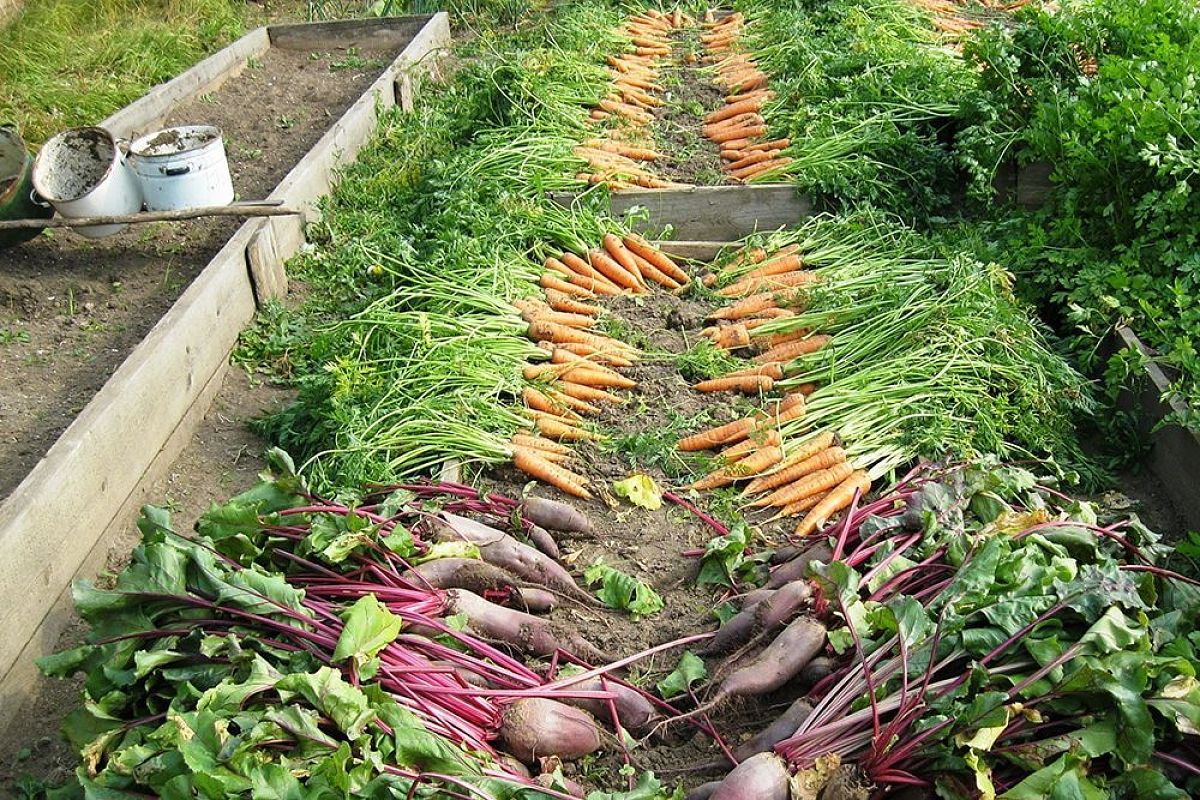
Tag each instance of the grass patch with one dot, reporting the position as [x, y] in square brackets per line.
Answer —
[65, 63]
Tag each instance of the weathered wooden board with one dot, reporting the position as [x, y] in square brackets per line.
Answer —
[719, 213]
[1175, 451]
[379, 33]
[693, 250]
[56, 525]
[150, 111]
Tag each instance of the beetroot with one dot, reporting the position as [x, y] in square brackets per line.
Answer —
[790, 652]
[460, 573]
[523, 631]
[556, 516]
[635, 712]
[763, 777]
[543, 541]
[762, 617]
[539, 601]
[782, 728]
[797, 568]
[533, 727]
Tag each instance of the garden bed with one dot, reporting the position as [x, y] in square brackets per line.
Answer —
[158, 371]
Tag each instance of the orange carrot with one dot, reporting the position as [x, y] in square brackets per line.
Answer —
[790, 350]
[588, 393]
[731, 134]
[768, 341]
[549, 332]
[634, 153]
[773, 370]
[735, 144]
[766, 283]
[538, 443]
[548, 472]
[820, 481]
[595, 378]
[555, 427]
[773, 480]
[753, 158]
[609, 357]
[806, 388]
[747, 173]
[733, 109]
[759, 437]
[792, 509]
[582, 280]
[540, 402]
[573, 403]
[534, 314]
[560, 301]
[619, 253]
[551, 282]
[581, 267]
[732, 337]
[606, 264]
[837, 499]
[553, 458]
[746, 384]
[734, 431]
[753, 304]
[653, 273]
[749, 466]
[784, 479]
[652, 254]
[560, 355]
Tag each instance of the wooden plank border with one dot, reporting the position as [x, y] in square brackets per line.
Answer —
[1174, 450]
[56, 526]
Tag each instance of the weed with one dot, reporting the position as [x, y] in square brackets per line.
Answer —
[10, 336]
[284, 122]
[352, 60]
[704, 360]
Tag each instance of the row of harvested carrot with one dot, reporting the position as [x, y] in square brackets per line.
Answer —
[813, 479]
[581, 372]
[618, 156]
[739, 128]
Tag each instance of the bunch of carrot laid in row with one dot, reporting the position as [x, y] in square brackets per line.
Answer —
[619, 156]
[739, 127]
[580, 373]
[813, 478]
[771, 289]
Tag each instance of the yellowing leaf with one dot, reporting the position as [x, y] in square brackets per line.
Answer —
[641, 490]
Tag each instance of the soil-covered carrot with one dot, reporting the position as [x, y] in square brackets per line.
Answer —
[791, 407]
[835, 501]
[747, 307]
[546, 471]
[730, 134]
[822, 441]
[573, 403]
[553, 282]
[769, 341]
[733, 109]
[767, 283]
[746, 384]
[758, 461]
[656, 257]
[617, 250]
[607, 266]
[555, 427]
[790, 350]
[800, 506]
[774, 370]
[732, 337]
[538, 443]
[653, 273]
[757, 439]
[784, 478]
[560, 301]
[561, 355]
[589, 394]
[553, 458]
[609, 357]
[579, 272]
[532, 313]
[820, 481]
[549, 332]
[596, 379]
[538, 401]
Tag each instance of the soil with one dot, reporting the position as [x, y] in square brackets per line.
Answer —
[690, 94]
[71, 309]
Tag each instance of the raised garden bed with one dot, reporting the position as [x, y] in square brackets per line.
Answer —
[157, 360]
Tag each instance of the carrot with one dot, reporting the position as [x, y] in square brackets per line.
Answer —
[565, 303]
[751, 159]
[839, 498]
[596, 379]
[553, 283]
[790, 350]
[732, 337]
[560, 355]
[581, 267]
[733, 109]
[534, 314]
[539, 402]
[548, 331]
[641, 247]
[818, 444]
[775, 144]
[774, 370]
[735, 144]
[772, 340]
[605, 264]
[766, 94]
[589, 393]
[736, 452]
[593, 354]
[548, 472]
[553, 458]
[555, 427]
[538, 443]
[738, 133]
[734, 431]
[619, 253]
[792, 509]
[806, 388]
[733, 122]
[653, 273]
[584, 281]
[766, 283]
[765, 166]
[754, 304]
[633, 153]
[793, 476]
[810, 484]
[573, 403]
[785, 260]
[753, 464]
[746, 384]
